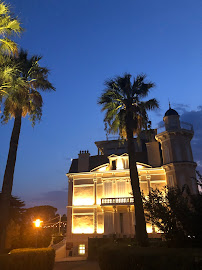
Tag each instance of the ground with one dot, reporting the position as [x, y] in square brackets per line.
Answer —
[79, 265]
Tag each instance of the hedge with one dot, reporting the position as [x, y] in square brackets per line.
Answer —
[28, 259]
[94, 244]
[119, 257]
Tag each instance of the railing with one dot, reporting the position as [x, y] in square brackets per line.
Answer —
[114, 201]
[112, 138]
[183, 125]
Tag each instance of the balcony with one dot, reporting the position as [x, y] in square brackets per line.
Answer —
[183, 126]
[115, 201]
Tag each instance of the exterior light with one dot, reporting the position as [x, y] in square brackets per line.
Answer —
[37, 223]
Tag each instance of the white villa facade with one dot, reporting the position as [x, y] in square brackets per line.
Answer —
[100, 202]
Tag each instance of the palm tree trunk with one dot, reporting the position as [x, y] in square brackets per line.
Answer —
[140, 226]
[8, 179]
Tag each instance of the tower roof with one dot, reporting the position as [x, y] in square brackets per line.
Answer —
[170, 112]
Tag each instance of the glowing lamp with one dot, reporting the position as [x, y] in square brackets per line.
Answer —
[37, 223]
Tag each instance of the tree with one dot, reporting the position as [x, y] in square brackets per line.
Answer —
[177, 213]
[44, 212]
[9, 26]
[21, 98]
[16, 208]
[126, 114]
[15, 221]
[48, 215]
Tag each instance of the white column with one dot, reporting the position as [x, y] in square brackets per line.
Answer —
[69, 209]
[95, 203]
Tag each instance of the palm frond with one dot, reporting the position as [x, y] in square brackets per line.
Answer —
[9, 26]
[151, 104]
[121, 99]
[21, 79]
[8, 46]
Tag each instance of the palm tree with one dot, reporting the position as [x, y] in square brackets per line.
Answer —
[21, 98]
[126, 114]
[9, 26]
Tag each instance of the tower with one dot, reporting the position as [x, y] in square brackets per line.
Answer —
[176, 151]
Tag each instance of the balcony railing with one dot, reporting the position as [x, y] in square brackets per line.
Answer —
[183, 125]
[115, 201]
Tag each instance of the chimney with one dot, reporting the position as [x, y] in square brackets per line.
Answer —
[83, 161]
[153, 154]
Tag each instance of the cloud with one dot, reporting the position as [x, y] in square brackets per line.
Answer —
[57, 198]
[181, 108]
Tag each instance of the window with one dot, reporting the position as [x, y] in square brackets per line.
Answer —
[177, 151]
[121, 222]
[121, 188]
[113, 164]
[108, 189]
[108, 223]
[166, 154]
[82, 249]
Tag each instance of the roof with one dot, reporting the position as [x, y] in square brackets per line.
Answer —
[95, 161]
[170, 112]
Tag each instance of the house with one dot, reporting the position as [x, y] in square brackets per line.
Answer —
[100, 202]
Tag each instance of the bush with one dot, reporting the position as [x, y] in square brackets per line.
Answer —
[28, 259]
[119, 257]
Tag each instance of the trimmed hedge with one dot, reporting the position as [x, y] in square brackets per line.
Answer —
[120, 257]
[94, 244]
[28, 259]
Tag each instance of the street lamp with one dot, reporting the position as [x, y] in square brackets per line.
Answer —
[37, 224]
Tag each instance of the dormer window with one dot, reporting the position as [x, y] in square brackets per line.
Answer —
[113, 164]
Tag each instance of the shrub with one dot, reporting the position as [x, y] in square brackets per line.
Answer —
[4, 262]
[28, 259]
[120, 257]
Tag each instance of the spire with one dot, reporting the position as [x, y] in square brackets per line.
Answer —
[169, 104]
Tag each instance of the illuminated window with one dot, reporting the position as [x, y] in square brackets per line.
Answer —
[121, 188]
[82, 249]
[149, 228]
[108, 189]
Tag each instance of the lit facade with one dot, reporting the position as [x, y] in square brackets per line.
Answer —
[100, 202]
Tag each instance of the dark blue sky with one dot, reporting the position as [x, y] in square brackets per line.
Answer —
[83, 43]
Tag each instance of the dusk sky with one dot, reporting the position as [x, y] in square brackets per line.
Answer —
[83, 43]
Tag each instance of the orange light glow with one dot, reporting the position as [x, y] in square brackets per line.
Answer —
[100, 230]
[149, 228]
[37, 223]
[83, 201]
[82, 229]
